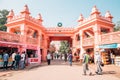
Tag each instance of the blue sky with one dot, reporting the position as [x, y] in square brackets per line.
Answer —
[65, 11]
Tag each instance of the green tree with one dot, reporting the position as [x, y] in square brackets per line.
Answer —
[52, 48]
[117, 26]
[3, 19]
[64, 48]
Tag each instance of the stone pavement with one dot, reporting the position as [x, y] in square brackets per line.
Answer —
[110, 70]
[60, 70]
[9, 72]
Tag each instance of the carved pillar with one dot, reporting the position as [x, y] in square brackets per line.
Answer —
[70, 42]
[45, 49]
[39, 54]
[23, 38]
[8, 29]
[81, 45]
[39, 38]
[23, 29]
[39, 47]
[97, 37]
[74, 40]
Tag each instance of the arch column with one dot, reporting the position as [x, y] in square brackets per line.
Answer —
[39, 38]
[81, 45]
[97, 37]
[70, 42]
[45, 49]
[23, 30]
[73, 42]
[9, 29]
[39, 47]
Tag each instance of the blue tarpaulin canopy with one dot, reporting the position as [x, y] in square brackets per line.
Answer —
[115, 45]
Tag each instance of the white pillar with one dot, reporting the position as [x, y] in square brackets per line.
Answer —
[23, 29]
[8, 29]
[81, 45]
[39, 54]
[38, 48]
[97, 37]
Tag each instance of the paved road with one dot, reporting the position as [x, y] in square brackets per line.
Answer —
[57, 72]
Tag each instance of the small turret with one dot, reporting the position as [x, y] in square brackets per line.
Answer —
[39, 17]
[81, 18]
[108, 15]
[95, 11]
[10, 15]
[25, 10]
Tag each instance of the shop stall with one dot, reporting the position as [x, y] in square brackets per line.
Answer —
[117, 60]
[9, 50]
[110, 53]
[32, 56]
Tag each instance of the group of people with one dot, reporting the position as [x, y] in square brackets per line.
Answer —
[85, 61]
[18, 60]
[69, 57]
[98, 62]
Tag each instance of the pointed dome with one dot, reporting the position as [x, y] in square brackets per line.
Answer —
[11, 13]
[25, 10]
[108, 15]
[39, 17]
[80, 18]
[95, 10]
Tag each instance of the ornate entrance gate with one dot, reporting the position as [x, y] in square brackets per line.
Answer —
[29, 31]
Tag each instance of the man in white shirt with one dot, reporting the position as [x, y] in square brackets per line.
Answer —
[112, 57]
[48, 57]
[22, 62]
[98, 63]
[13, 60]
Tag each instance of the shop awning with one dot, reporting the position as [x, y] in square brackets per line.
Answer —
[115, 45]
[10, 44]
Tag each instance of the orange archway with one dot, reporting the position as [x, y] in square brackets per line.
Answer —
[31, 34]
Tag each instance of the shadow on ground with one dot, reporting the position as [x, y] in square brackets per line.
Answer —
[53, 62]
[109, 72]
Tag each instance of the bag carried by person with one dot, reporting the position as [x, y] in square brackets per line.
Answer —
[102, 64]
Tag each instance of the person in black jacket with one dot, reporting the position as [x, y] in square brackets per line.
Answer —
[70, 57]
[17, 60]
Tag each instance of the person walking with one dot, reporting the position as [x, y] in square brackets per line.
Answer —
[22, 61]
[70, 57]
[98, 63]
[5, 59]
[85, 64]
[17, 60]
[65, 57]
[48, 57]
[13, 60]
[112, 57]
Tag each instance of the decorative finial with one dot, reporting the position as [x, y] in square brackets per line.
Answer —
[108, 15]
[39, 17]
[95, 10]
[25, 10]
[80, 18]
[11, 13]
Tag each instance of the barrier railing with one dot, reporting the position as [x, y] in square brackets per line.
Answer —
[32, 41]
[9, 37]
[109, 38]
[88, 41]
